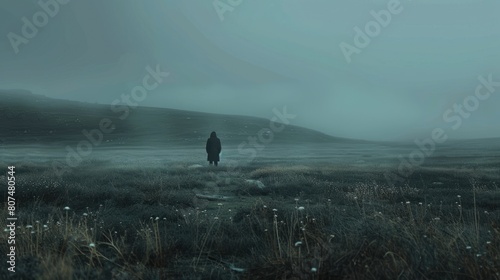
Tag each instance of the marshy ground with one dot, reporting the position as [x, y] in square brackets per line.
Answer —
[323, 214]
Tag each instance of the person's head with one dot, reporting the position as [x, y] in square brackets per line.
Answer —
[213, 134]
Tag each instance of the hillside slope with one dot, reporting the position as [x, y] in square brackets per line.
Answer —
[29, 118]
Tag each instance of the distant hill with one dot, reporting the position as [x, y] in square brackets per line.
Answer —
[35, 119]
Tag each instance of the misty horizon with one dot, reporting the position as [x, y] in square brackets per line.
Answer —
[417, 140]
[251, 58]
[239, 139]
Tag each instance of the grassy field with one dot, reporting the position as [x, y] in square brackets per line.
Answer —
[140, 205]
[310, 221]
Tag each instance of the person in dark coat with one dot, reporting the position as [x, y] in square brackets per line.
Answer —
[213, 148]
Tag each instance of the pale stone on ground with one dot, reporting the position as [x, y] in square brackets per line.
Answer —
[257, 183]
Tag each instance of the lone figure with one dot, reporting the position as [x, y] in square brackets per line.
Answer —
[213, 149]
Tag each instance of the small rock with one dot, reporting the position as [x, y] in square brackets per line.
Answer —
[257, 183]
[195, 166]
[212, 197]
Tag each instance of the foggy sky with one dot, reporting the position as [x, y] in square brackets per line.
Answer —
[267, 54]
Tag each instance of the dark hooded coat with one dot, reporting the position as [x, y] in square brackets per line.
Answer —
[213, 147]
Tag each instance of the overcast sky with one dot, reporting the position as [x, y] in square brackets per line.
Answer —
[264, 54]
